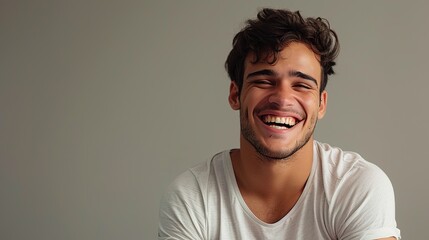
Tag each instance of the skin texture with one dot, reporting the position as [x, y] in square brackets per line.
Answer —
[280, 90]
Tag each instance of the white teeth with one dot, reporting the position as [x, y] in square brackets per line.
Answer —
[280, 120]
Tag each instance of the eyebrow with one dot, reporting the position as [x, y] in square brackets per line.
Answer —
[268, 72]
[265, 72]
[303, 76]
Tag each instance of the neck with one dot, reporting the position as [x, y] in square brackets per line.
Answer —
[272, 177]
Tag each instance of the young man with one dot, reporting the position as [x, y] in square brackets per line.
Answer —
[280, 183]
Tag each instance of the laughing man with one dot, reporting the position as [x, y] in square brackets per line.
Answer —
[280, 183]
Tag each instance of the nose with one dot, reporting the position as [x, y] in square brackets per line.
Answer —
[282, 96]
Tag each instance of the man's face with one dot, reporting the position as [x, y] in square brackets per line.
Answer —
[280, 104]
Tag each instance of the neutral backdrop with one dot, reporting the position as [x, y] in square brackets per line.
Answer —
[103, 103]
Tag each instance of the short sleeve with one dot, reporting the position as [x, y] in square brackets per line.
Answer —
[181, 213]
[364, 204]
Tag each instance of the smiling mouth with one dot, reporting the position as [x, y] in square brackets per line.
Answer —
[279, 122]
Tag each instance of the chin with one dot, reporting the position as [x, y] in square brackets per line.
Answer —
[278, 150]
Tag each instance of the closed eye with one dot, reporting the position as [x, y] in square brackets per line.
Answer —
[262, 83]
[302, 85]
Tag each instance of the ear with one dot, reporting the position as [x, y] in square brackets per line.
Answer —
[234, 96]
[323, 104]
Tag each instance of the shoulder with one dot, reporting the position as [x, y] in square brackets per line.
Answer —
[183, 192]
[346, 169]
[191, 184]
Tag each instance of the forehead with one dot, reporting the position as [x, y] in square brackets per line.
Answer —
[294, 56]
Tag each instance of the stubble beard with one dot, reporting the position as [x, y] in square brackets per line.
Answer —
[249, 134]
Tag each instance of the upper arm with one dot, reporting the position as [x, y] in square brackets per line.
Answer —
[365, 206]
[181, 213]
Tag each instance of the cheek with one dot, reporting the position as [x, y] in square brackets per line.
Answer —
[250, 99]
[311, 103]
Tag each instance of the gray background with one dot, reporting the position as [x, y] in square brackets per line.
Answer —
[103, 103]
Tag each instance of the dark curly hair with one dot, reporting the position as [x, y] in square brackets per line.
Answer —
[272, 31]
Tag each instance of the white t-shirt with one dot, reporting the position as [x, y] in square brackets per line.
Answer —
[345, 197]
